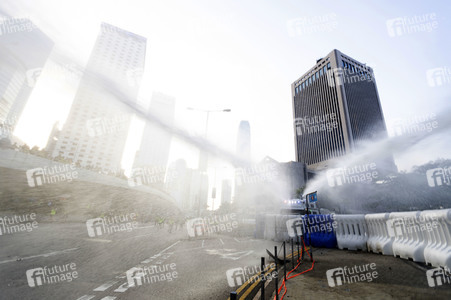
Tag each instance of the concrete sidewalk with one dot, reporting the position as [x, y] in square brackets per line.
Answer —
[395, 278]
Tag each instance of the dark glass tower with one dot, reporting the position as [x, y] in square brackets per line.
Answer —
[335, 106]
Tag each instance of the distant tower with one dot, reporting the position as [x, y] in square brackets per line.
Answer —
[24, 50]
[226, 191]
[156, 141]
[243, 144]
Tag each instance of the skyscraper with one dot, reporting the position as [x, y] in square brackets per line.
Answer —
[335, 106]
[96, 129]
[156, 141]
[243, 144]
[24, 50]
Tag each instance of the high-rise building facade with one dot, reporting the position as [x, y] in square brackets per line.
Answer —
[156, 141]
[96, 129]
[24, 50]
[243, 143]
[335, 106]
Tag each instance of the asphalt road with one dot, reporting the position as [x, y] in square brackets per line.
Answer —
[101, 263]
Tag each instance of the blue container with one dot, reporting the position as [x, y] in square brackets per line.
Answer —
[319, 230]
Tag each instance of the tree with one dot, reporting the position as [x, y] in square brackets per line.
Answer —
[299, 192]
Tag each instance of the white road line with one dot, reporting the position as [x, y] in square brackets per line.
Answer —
[203, 241]
[105, 286]
[145, 227]
[237, 240]
[221, 241]
[108, 298]
[86, 297]
[98, 240]
[169, 247]
[122, 288]
[40, 255]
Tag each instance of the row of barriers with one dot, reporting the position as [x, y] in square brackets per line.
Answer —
[422, 236]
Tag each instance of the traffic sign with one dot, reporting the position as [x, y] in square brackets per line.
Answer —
[312, 197]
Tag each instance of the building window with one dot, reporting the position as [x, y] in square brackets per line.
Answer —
[303, 85]
[310, 80]
[320, 72]
[328, 66]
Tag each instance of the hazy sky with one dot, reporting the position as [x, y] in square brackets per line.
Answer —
[244, 55]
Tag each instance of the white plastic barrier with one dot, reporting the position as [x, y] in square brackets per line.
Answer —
[351, 232]
[409, 239]
[437, 229]
[379, 241]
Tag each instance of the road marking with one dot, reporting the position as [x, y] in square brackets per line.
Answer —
[122, 288]
[105, 286]
[39, 255]
[98, 240]
[203, 242]
[86, 297]
[228, 254]
[169, 247]
[221, 241]
[145, 227]
[236, 240]
[257, 282]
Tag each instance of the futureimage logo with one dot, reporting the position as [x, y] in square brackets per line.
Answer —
[209, 225]
[415, 124]
[140, 176]
[104, 126]
[310, 25]
[438, 76]
[108, 225]
[264, 172]
[50, 275]
[438, 176]
[340, 276]
[316, 223]
[138, 276]
[438, 277]
[238, 276]
[15, 25]
[413, 24]
[408, 225]
[51, 174]
[340, 76]
[13, 224]
[354, 174]
[316, 124]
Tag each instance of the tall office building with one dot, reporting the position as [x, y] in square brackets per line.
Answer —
[24, 50]
[96, 129]
[226, 191]
[243, 144]
[335, 106]
[156, 141]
